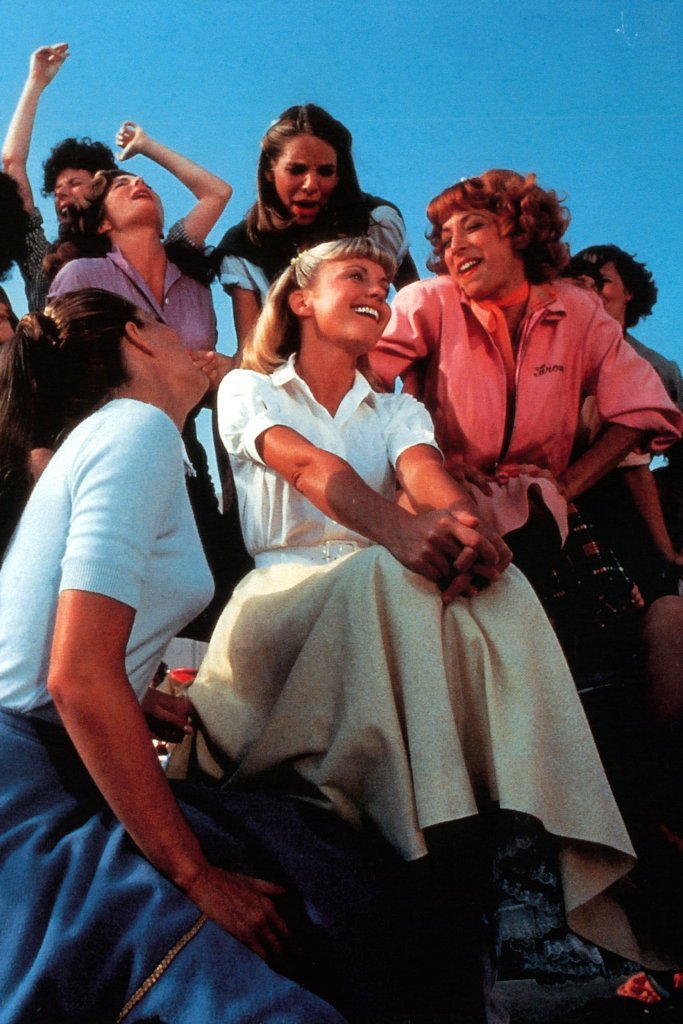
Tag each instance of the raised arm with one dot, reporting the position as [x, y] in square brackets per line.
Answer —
[44, 65]
[212, 192]
[438, 543]
[88, 683]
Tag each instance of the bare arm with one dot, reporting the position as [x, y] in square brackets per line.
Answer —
[607, 452]
[44, 65]
[421, 474]
[643, 490]
[88, 683]
[211, 192]
[245, 313]
[429, 486]
[438, 544]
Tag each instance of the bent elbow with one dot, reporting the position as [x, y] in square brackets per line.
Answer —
[63, 689]
[224, 193]
[56, 688]
[11, 165]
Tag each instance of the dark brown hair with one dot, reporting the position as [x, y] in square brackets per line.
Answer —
[636, 277]
[58, 368]
[345, 213]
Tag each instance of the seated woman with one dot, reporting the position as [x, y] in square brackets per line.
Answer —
[126, 216]
[503, 355]
[308, 192]
[366, 660]
[119, 902]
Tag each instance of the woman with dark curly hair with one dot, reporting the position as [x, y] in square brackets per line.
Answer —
[626, 286]
[503, 354]
[308, 192]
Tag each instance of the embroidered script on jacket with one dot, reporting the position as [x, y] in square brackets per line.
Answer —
[540, 371]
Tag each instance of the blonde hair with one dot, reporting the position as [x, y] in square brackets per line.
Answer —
[276, 333]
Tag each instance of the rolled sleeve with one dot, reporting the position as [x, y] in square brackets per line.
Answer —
[238, 272]
[388, 231]
[247, 406]
[405, 423]
[629, 392]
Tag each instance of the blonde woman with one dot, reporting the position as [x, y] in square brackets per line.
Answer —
[393, 664]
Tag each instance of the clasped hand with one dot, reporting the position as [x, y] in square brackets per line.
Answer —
[453, 548]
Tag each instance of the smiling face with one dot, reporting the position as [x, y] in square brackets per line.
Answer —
[346, 306]
[304, 177]
[72, 188]
[130, 202]
[478, 257]
[614, 294]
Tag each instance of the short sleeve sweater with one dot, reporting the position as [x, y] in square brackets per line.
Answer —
[109, 515]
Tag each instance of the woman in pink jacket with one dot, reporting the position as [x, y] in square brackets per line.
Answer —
[503, 355]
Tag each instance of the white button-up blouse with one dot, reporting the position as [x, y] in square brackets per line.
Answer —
[369, 431]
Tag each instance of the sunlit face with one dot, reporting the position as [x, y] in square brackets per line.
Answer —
[347, 304]
[304, 177]
[72, 188]
[615, 297]
[130, 201]
[6, 329]
[478, 257]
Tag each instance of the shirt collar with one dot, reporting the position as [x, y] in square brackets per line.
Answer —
[361, 391]
[173, 272]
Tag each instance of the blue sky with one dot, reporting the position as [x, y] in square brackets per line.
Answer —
[586, 93]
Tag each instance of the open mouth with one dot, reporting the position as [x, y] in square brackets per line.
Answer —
[468, 265]
[305, 206]
[367, 311]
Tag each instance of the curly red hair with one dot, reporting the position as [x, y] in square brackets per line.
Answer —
[532, 217]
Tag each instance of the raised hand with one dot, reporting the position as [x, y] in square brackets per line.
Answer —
[46, 62]
[131, 139]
